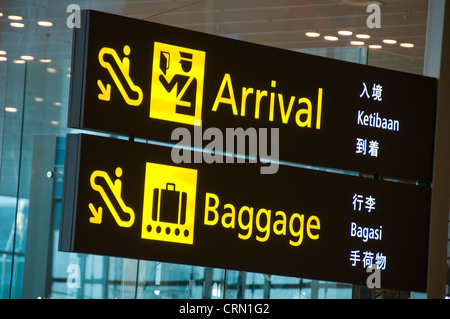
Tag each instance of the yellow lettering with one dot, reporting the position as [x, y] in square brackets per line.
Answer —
[249, 224]
[306, 112]
[266, 228]
[319, 109]
[226, 100]
[249, 218]
[245, 93]
[259, 96]
[299, 232]
[231, 215]
[212, 209]
[310, 226]
[303, 116]
[285, 115]
[282, 222]
[272, 101]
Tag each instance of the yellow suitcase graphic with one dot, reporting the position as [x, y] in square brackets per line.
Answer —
[169, 203]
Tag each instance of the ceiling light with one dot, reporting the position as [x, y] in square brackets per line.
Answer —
[375, 46]
[45, 60]
[345, 32]
[39, 99]
[3, 52]
[390, 41]
[357, 43]
[363, 36]
[10, 109]
[19, 61]
[3, 58]
[1, 14]
[14, 17]
[57, 103]
[361, 3]
[54, 122]
[407, 45]
[330, 38]
[45, 23]
[27, 57]
[17, 24]
[51, 70]
[312, 34]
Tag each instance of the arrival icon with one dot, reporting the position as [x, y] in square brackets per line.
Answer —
[177, 84]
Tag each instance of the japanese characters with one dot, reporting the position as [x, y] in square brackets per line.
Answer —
[377, 89]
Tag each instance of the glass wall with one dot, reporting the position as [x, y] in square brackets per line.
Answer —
[12, 207]
[33, 130]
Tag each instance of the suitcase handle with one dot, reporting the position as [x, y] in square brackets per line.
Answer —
[171, 184]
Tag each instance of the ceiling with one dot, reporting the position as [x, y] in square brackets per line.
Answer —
[279, 23]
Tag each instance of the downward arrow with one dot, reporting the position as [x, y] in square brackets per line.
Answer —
[97, 214]
[106, 91]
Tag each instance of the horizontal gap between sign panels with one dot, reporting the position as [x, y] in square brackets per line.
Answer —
[279, 162]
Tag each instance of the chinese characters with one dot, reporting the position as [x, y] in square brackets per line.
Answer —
[359, 202]
[371, 148]
[377, 90]
[368, 259]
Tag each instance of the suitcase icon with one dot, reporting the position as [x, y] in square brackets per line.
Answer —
[169, 205]
[168, 212]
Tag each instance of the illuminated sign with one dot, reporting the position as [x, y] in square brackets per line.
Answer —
[143, 79]
[137, 203]
[216, 208]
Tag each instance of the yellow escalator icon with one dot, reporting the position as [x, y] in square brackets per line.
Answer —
[119, 69]
[111, 194]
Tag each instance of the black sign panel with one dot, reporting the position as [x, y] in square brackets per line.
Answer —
[143, 79]
[136, 203]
